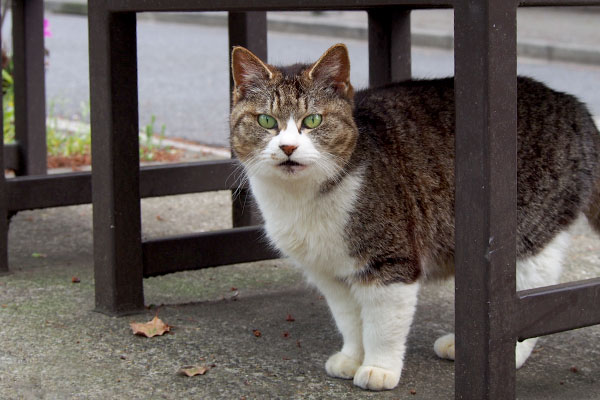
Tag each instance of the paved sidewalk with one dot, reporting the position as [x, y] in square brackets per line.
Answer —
[565, 34]
[54, 346]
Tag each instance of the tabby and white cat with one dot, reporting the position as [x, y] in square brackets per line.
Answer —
[358, 190]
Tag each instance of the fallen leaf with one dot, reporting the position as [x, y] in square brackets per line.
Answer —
[38, 255]
[574, 369]
[233, 289]
[75, 279]
[289, 318]
[256, 333]
[159, 218]
[193, 370]
[413, 391]
[156, 327]
[286, 334]
[298, 344]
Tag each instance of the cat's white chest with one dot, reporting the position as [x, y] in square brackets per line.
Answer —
[310, 227]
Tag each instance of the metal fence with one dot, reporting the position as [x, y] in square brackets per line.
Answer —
[490, 314]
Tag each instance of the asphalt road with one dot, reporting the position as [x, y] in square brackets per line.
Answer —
[183, 72]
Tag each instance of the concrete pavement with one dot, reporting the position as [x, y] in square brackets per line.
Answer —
[54, 346]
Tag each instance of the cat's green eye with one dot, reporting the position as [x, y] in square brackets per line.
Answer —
[266, 121]
[312, 121]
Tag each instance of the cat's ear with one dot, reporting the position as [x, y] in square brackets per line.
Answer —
[333, 68]
[247, 70]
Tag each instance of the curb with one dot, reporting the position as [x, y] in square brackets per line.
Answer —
[69, 125]
[352, 30]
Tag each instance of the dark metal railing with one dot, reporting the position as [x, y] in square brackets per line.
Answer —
[490, 314]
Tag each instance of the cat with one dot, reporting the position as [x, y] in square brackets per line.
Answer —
[357, 188]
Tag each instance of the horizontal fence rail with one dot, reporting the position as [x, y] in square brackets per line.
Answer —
[294, 5]
[558, 308]
[271, 5]
[44, 191]
[558, 3]
[206, 249]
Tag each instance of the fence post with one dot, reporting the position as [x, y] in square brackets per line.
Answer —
[3, 200]
[486, 143]
[30, 96]
[247, 29]
[118, 269]
[389, 45]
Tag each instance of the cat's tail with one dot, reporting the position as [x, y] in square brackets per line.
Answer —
[592, 211]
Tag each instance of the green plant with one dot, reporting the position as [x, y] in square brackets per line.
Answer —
[62, 141]
[148, 147]
[8, 104]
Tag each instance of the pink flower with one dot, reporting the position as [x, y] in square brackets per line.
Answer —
[47, 32]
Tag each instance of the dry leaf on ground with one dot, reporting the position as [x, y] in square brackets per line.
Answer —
[193, 370]
[156, 327]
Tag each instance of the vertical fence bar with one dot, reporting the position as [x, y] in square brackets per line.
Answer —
[486, 94]
[118, 269]
[389, 45]
[3, 199]
[247, 29]
[30, 96]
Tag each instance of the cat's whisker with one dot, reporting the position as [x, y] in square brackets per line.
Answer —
[244, 171]
[237, 173]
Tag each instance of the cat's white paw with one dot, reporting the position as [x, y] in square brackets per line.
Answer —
[342, 366]
[444, 346]
[374, 378]
[523, 351]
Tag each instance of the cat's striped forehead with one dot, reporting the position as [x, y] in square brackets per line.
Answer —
[290, 93]
[288, 99]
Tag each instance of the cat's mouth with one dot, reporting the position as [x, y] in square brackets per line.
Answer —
[291, 166]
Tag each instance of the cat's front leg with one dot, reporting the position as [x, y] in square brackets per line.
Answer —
[346, 313]
[387, 313]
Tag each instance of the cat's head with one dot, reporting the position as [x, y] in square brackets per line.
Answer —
[293, 123]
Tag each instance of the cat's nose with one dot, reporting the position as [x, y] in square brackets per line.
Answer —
[288, 149]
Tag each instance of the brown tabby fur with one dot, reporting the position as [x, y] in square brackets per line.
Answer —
[401, 137]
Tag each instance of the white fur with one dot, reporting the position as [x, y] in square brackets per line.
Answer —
[346, 312]
[386, 313]
[444, 346]
[543, 269]
[290, 136]
[309, 227]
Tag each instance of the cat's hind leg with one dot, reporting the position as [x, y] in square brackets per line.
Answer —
[346, 313]
[387, 312]
[542, 269]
